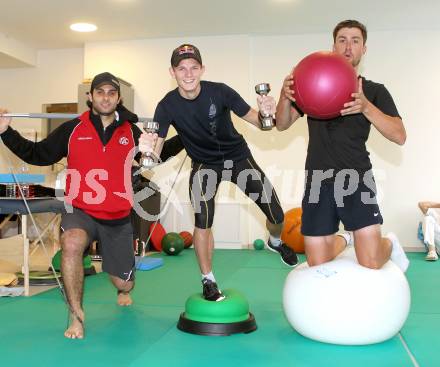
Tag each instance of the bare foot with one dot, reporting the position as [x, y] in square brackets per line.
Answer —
[76, 327]
[124, 299]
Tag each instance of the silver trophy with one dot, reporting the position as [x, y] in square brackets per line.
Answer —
[147, 158]
[267, 120]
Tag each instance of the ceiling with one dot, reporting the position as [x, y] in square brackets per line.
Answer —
[45, 24]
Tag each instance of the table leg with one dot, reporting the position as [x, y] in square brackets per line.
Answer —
[25, 269]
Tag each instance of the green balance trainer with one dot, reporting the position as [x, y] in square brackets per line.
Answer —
[226, 317]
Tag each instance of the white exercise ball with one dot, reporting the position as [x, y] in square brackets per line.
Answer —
[342, 302]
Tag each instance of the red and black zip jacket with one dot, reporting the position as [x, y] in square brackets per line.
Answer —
[99, 161]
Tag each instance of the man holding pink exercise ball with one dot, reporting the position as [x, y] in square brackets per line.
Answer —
[340, 186]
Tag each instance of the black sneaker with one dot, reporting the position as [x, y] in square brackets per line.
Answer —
[211, 291]
[288, 256]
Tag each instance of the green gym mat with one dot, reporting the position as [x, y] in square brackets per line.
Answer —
[145, 334]
[421, 333]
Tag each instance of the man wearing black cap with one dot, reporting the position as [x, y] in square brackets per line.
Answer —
[200, 111]
[99, 145]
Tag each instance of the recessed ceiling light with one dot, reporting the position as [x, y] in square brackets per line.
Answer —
[83, 27]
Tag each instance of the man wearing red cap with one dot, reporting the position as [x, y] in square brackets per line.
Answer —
[200, 111]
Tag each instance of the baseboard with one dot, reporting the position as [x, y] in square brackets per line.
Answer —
[414, 248]
[230, 246]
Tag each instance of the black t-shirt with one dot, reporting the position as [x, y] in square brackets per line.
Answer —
[339, 143]
[204, 124]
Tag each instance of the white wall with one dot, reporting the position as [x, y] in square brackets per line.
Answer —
[406, 62]
[54, 79]
[15, 54]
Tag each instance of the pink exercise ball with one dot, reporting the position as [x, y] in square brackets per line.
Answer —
[323, 82]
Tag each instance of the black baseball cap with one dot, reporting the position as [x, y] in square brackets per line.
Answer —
[105, 78]
[185, 51]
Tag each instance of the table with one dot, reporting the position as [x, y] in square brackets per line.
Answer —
[10, 206]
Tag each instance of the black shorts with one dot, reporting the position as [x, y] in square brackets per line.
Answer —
[324, 207]
[116, 242]
[205, 179]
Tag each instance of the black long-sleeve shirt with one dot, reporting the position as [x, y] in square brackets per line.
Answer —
[55, 147]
